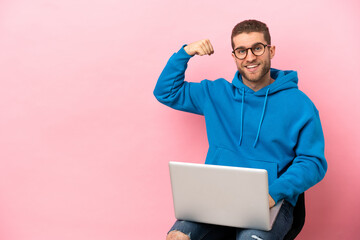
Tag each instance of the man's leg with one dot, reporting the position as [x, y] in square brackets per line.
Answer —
[280, 227]
[186, 230]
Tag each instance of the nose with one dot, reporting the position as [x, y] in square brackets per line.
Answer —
[250, 56]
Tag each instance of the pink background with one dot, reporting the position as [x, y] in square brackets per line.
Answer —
[84, 145]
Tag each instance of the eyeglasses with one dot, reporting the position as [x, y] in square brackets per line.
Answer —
[257, 49]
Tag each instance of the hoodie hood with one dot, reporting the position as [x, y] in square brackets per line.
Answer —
[283, 80]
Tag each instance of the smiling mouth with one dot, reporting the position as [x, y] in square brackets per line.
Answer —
[252, 68]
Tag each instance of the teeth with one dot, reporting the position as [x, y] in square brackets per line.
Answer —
[252, 66]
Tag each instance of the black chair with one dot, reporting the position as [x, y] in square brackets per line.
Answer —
[299, 218]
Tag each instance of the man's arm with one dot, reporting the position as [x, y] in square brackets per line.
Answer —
[308, 167]
[172, 90]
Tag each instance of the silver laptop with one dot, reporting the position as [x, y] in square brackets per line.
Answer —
[221, 195]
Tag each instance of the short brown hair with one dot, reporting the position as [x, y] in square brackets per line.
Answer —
[249, 26]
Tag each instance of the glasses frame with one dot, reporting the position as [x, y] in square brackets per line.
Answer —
[251, 49]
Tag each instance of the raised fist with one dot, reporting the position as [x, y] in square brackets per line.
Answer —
[202, 47]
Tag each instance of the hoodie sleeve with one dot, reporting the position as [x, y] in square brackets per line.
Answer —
[173, 91]
[308, 167]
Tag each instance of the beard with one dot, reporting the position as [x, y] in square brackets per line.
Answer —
[259, 75]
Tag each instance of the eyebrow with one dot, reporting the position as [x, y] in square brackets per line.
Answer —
[250, 47]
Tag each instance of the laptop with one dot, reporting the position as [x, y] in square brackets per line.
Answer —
[222, 195]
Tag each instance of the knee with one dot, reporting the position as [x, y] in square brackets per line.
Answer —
[176, 235]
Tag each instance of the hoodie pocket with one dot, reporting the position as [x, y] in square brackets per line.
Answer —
[232, 158]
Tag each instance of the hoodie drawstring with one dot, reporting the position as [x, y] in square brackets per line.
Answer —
[242, 114]
[262, 117]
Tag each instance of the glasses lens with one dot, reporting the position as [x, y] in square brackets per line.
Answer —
[258, 49]
[240, 53]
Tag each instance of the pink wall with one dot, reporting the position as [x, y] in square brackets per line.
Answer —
[84, 144]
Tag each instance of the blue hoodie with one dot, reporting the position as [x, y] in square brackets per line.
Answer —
[276, 128]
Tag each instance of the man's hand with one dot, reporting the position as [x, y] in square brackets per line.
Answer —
[271, 202]
[202, 47]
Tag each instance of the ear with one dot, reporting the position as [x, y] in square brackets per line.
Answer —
[272, 52]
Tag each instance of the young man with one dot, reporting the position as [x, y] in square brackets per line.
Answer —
[260, 120]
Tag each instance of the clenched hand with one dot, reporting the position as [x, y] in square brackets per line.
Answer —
[202, 47]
